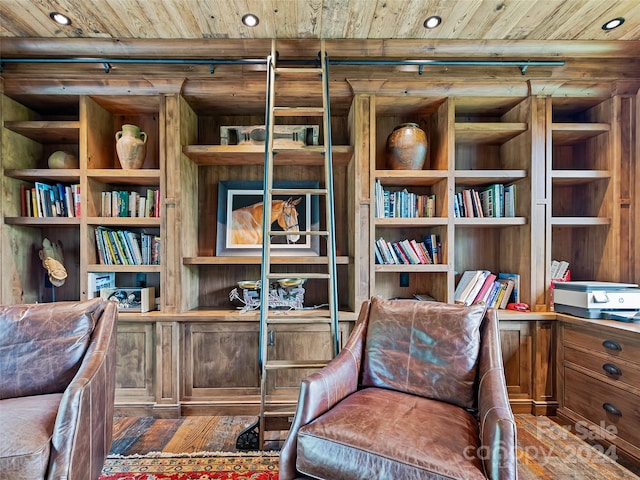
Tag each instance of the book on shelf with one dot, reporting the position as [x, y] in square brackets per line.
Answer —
[402, 203]
[515, 293]
[465, 284]
[43, 200]
[123, 203]
[123, 247]
[496, 291]
[403, 252]
[493, 201]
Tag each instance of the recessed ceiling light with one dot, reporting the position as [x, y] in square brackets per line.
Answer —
[60, 18]
[432, 22]
[611, 24]
[250, 20]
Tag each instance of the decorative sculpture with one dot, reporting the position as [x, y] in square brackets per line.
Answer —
[53, 262]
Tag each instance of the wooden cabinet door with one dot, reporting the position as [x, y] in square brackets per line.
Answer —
[298, 342]
[220, 361]
[135, 361]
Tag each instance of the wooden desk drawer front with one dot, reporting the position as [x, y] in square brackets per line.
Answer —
[615, 344]
[603, 404]
[613, 368]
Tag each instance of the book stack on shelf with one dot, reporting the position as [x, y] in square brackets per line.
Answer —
[402, 203]
[44, 200]
[496, 291]
[123, 247]
[121, 203]
[494, 201]
[408, 252]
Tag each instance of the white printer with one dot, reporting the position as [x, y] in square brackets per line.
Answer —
[616, 301]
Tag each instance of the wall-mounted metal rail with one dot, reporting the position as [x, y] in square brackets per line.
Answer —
[523, 65]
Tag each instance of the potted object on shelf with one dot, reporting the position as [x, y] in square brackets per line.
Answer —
[407, 147]
[62, 159]
[131, 146]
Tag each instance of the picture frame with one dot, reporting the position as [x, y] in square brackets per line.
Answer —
[239, 231]
[130, 299]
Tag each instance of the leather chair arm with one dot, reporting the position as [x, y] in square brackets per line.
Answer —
[497, 424]
[323, 389]
[83, 430]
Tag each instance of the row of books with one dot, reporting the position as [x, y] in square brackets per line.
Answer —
[402, 203]
[495, 201]
[496, 291]
[120, 203]
[408, 252]
[44, 200]
[123, 247]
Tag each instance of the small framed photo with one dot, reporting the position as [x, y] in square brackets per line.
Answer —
[240, 219]
[133, 299]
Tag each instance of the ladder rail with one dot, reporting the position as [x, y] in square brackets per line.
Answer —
[328, 165]
[267, 411]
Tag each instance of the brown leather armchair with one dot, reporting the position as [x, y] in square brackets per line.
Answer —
[57, 389]
[417, 392]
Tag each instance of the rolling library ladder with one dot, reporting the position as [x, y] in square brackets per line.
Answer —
[276, 414]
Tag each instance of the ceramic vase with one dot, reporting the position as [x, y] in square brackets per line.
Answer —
[407, 147]
[131, 146]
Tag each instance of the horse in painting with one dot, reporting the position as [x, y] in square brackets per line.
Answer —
[246, 222]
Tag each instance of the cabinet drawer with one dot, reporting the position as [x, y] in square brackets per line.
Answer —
[591, 398]
[614, 368]
[608, 343]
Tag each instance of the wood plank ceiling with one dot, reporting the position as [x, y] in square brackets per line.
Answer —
[355, 19]
[567, 30]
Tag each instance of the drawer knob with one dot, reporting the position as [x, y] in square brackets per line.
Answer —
[611, 369]
[612, 409]
[612, 345]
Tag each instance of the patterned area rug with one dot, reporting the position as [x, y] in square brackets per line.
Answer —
[546, 451]
[197, 466]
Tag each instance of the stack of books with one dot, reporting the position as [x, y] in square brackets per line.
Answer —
[496, 291]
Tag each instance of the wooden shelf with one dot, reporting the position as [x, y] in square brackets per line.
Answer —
[124, 221]
[579, 221]
[413, 178]
[488, 132]
[59, 132]
[124, 268]
[570, 133]
[439, 268]
[146, 177]
[475, 222]
[62, 175]
[239, 155]
[419, 222]
[43, 221]
[212, 260]
[484, 177]
[577, 177]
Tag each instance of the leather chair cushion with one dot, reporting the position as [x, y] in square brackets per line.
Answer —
[424, 348]
[58, 332]
[27, 426]
[419, 438]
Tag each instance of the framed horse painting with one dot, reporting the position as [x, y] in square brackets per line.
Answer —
[240, 213]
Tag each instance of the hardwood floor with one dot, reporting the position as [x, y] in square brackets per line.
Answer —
[541, 455]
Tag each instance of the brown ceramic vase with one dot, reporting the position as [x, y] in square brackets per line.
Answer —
[407, 147]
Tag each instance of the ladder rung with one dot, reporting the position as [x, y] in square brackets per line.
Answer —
[294, 364]
[281, 233]
[298, 274]
[293, 319]
[298, 111]
[299, 191]
[297, 70]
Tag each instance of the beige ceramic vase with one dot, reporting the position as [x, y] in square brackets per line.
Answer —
[407, 147]
[131, 146]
